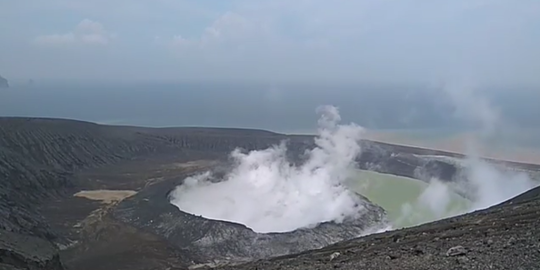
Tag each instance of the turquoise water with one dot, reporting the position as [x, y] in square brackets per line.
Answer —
[408, 202]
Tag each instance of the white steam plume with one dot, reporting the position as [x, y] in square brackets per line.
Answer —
[489, 185]
[483, 182]
[268, 194]
[486, 184]
[473, 108]
[437, 197]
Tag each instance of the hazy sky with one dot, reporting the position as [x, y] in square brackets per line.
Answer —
[487, 41]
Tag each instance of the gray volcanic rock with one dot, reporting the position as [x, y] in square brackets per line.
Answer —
[44, 160]
[506, 236]
[4, 82]
[26, 252]
[220, 242]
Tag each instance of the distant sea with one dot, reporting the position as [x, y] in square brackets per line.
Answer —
[278, 108]
[407, 110]
[161, 105]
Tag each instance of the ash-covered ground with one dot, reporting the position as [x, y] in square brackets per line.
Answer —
[84, 196]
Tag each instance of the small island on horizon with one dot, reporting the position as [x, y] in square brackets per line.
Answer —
[3, 82]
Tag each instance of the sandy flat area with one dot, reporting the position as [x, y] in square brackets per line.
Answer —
[106, 196]
[459, 143]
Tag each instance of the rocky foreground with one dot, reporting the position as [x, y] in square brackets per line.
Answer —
[506, 236]
[74, 195]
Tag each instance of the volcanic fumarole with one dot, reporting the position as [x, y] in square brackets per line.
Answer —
[267, 193]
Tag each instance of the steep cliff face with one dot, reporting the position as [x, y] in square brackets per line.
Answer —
[4, 82]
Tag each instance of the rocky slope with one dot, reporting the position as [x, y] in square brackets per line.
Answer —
[44, 161]
[18, 251]
[506, 236]
[40, 157]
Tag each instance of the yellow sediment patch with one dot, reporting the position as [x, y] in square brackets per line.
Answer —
[193, 164]
[106, 196]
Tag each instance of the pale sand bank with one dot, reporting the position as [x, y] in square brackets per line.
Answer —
[106, 196]
[459, 143]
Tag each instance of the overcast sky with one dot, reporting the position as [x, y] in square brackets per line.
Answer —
[487, 41]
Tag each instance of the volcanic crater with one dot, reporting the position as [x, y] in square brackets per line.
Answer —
[132, 224]
[215, 242]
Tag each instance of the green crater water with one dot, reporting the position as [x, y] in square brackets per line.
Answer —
[408, 202]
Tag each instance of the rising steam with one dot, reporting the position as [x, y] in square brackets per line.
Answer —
[268, 194]
[488, 185]
[484, 183]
